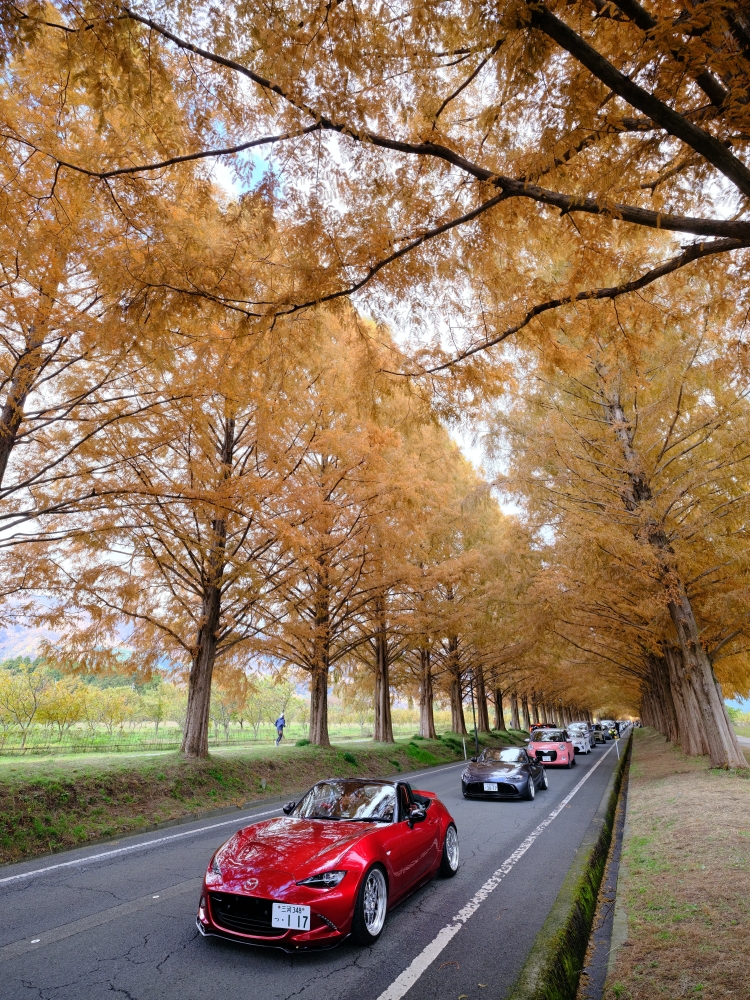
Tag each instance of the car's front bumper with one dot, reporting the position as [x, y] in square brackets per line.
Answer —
[331, 914]
[286, 943]
[506, 790]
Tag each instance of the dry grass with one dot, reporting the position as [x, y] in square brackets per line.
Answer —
[686, 883]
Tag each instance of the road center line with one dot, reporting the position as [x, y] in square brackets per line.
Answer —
[64, 931]
[400, 986]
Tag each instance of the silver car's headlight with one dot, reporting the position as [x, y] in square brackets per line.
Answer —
[323, 880]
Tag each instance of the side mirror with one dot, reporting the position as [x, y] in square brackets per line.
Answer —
[288, 808]
[474, 759]
[416, 815]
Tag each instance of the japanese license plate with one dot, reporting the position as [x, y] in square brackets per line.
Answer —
[296, 918]
[490, 786]
[546, 756]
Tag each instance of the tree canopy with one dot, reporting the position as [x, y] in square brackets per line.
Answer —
[259, 261]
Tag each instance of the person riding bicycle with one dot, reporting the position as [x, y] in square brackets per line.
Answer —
[280, 723]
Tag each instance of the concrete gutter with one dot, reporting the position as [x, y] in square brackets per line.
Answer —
[554, 965]
[610, 928]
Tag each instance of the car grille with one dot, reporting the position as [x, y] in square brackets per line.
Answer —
[243, 914]
[546, 753]
[503, 788]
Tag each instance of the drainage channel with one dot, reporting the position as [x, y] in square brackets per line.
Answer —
[594, 973]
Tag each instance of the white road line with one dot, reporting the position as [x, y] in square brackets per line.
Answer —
[400, 986]
[433, 770]
[55, 934]
[80, 862]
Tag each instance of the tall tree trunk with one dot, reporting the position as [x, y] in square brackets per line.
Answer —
[723, 748]
[383, 724]
[534, 709]
[689, 719]
[426, 696]
[483, 716]
[318, 733]
[661, 701]
[458, 722]
[515, 722]
[319, 706]
[195, 738]
[499, 713]
[525, 710]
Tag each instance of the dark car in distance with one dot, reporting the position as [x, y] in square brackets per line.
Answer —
[506, 773]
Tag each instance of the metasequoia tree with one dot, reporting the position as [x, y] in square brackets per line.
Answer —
[421, 136]
[640, 447]
[192, 537]
[346, 488]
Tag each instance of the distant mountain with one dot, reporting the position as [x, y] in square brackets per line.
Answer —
[19, 641]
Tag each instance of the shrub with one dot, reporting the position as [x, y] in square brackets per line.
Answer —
[349, 757]
[302, 743]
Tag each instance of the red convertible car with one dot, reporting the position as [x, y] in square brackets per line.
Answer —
[552, 746]
[346, 853]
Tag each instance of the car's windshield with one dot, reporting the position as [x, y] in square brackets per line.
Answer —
[510, 755]
[349, 800]
[548, 736]
[578, 729]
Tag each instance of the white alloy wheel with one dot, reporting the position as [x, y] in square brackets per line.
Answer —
[531, 790]
[545, 781]
[375, 901]
[451, 848]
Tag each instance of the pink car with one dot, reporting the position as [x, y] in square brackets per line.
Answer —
[552, 747]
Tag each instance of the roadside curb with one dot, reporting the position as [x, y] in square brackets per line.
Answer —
[552, 970]
[609, 928]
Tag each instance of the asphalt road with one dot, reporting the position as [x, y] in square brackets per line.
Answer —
[123, 924]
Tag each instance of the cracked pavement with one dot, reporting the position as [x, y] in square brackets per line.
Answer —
[141, 948]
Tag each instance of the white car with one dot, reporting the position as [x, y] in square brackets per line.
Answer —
[580, 736]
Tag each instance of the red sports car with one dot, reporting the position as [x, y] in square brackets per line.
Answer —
[346, 853]
[552, 746]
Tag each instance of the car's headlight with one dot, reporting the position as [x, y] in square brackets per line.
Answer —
[214, 865]
[323, 880]
[561, 746]
[466, 775]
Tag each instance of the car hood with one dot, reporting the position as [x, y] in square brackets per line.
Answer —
[494, 770]
[290, 846]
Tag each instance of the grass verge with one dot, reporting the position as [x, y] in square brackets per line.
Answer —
[554, 965]
[53, 804]
[686, 881]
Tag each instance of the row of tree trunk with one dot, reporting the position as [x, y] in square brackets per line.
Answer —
[683, 700]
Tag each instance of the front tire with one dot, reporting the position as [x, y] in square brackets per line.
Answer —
[544, 785]
[569, 764]
[449, 860]
[371, 906]
[531, 789]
